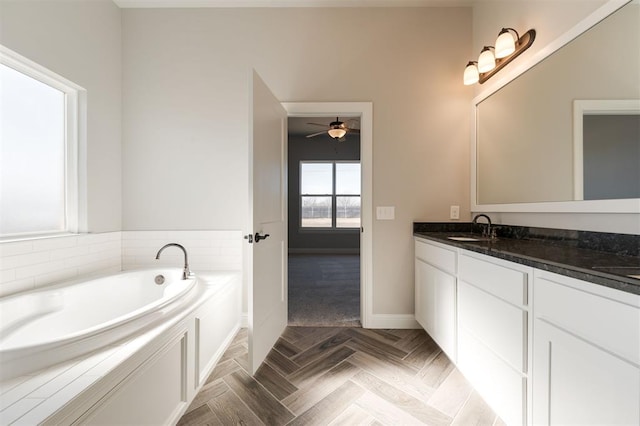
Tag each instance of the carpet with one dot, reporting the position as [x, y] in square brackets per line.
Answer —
[324, 290]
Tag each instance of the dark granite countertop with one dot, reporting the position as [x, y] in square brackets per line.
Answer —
[567, 253]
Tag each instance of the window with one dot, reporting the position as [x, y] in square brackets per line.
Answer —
[329, 194]
[38, 150]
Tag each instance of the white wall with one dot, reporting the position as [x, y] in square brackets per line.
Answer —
[185, 85]
[81, 41]
[551, 19]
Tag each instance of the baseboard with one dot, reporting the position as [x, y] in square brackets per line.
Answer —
[324, 251]
[393, 321]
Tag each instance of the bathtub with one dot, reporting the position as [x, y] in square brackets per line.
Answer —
[42, 328]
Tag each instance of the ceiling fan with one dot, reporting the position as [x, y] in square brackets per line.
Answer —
[336, 130]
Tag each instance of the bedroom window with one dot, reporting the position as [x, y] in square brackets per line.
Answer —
[330, 194]
[38, 150]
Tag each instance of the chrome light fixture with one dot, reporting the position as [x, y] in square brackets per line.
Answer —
[509, 45]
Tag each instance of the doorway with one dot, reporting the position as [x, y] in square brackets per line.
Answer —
[324, 204]
[329, 253]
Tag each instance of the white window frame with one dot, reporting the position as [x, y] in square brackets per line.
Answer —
[334, 196]
[75, 143]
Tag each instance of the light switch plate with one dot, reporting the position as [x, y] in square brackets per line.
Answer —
[385, 212]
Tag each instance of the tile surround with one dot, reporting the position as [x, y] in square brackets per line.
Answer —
[207, 250]
[26, 265]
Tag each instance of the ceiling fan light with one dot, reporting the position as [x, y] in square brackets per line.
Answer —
[337, 133]
[471, 74]
[486, 61]
[505, 43]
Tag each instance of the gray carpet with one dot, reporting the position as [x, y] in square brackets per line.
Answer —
[324, 290]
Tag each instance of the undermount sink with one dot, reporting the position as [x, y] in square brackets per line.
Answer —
[468, 239]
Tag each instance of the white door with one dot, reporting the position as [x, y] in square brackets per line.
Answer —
[578, 382]
[267, 257]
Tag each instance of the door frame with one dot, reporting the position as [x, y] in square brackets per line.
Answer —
[364, 110]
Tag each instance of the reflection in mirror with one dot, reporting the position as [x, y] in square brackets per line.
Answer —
[611, 157]
[606, 149]
[524, 135]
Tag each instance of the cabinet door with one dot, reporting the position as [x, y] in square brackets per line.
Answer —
[435, 305]
[576, 382]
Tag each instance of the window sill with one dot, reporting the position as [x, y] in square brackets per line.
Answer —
[328, 230]
[34, 237]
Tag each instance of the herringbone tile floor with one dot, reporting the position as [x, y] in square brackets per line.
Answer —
[340, 376]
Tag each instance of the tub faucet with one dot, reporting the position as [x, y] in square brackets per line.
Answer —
[487, 231]
[186, 273]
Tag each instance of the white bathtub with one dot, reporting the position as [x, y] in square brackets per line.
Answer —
[42, 328]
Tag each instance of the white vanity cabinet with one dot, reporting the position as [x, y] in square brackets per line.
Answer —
[435, 293]
[586, 362]
[493, 331]
[539, 347]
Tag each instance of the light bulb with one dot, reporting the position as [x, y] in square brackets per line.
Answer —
[505, 43]
[337, 133]
[486, 61]
[471, 74]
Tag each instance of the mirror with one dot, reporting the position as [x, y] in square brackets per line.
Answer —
[525, 148]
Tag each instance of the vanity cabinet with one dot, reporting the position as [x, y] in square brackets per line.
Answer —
[586, 360]
[493, 332]
[539, 347]
[435, 293]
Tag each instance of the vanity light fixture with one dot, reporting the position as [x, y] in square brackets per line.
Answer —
[487, 60]
[493, 59]
[505, 43]
[471, 73]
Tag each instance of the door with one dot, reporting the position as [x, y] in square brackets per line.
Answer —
[267, 256]
[578, 382]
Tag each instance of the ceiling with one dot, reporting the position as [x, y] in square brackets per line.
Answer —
[290, 3]
[298, 125]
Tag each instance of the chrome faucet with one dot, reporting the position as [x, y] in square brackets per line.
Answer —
[487, 231]
[186, 273]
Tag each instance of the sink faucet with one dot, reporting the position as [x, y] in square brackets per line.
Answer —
[487, 231]
[186, 273]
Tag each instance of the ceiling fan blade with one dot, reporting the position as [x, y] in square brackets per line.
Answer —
[353, 130]
[316, 134]
[318, 124]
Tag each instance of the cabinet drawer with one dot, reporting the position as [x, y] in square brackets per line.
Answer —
[439, 257]
[503, 282]
[499, 325]
[611, 324]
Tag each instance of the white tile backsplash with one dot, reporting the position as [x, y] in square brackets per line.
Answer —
[25, 265]
[207, 250]
[40, 262]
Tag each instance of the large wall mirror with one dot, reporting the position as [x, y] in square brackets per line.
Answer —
[565, 134]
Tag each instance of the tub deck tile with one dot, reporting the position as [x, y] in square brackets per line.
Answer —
[53, 404]
[27, 387]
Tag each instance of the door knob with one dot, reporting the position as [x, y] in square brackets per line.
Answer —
[259, 237]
